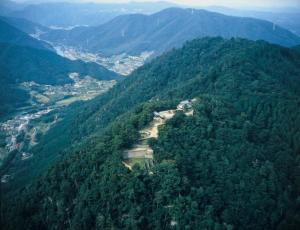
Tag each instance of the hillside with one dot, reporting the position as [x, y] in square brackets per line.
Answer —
[11, 35]
[162, 31]
[232, 165]
[21, 64]
[24, 64]
[24, 25]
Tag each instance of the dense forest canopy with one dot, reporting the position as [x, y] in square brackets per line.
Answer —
[234, 164]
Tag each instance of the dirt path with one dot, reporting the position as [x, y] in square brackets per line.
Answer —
[141, 153]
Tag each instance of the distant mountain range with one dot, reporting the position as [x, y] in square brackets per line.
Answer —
[165, 30]
[63, 14]
[287, 18]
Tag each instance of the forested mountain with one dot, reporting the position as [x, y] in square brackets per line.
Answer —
[11, 35]
[165, 30]
[232, 165]
[286, 18]
[68, 14]
[24, 25]
[7, 7]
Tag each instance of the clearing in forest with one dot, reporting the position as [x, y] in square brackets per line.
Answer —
[141, 153]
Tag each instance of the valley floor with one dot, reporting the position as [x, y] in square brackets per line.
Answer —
[123, 64]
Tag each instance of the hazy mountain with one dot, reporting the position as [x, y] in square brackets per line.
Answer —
[289, 18]
[62, 14]
[164, 30]
[25, 25]
[7, 7]
[10, 34]
[238, 153]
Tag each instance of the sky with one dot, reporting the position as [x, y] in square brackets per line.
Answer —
[227, 3]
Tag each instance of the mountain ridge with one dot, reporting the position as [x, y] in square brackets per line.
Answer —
[65, 14]
[167, 29]
[24, 25]
[10, 34]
